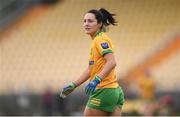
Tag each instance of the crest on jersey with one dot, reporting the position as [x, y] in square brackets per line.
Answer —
[104, 45]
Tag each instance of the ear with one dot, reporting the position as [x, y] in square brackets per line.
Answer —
[100, 25]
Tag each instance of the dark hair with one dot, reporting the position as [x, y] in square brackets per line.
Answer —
[104, 17]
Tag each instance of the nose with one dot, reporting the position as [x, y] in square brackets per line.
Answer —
[85, 24]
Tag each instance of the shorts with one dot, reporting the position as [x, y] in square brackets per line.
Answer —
[106, 99]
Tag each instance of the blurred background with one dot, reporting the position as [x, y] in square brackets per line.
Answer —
[43, 47]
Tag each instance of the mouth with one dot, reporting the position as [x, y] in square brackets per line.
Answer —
[87, 29]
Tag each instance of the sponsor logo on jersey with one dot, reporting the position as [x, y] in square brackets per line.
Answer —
[91, 62]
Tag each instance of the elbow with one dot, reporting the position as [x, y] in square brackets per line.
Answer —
[114, 64]
[111, 63]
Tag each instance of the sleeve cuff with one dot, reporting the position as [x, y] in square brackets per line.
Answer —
[106, 52]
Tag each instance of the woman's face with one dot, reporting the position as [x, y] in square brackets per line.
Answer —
[90, 24]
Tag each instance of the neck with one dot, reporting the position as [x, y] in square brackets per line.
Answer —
[95, 34]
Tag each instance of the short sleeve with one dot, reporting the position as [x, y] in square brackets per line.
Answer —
[103, 46]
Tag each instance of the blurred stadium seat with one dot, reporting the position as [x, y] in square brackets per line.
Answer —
[47, 46]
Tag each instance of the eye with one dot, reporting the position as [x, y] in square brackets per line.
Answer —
[90, 21]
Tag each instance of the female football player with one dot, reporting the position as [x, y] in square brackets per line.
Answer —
[106, 97]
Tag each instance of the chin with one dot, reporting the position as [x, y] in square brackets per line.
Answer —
[88, 33]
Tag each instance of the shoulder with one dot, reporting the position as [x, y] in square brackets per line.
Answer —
[102, 38]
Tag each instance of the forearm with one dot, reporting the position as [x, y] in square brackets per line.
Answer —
[91, 87]
[107, 69]
[84, 77]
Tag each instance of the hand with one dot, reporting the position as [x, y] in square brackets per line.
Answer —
[68, 89]
[90, 88]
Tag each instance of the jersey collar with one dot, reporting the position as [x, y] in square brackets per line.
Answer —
[98, 33]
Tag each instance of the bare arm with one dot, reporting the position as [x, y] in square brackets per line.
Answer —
[85, 75]
[110, 64]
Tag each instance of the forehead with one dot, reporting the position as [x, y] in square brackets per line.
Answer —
[89, 16]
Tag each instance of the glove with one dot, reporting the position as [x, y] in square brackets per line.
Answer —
[90, 88]
[68, 89]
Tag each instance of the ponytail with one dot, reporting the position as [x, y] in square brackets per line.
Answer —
[107, 18]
